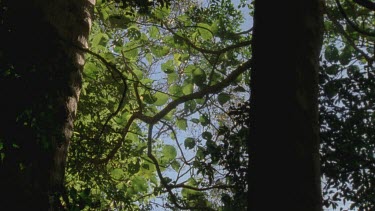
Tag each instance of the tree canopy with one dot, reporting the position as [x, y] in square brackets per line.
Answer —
[154, 109]
[163, 115]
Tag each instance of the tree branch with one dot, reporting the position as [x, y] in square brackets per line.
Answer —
[351, 23]
[196, 95]
[348, 38]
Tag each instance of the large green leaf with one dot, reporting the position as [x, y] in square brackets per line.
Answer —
[169, 153]
[162, 98]
[168, 67]
[117, 173]
[181, 124]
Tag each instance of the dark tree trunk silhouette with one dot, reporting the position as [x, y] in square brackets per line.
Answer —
[40, 82]
[284, 164]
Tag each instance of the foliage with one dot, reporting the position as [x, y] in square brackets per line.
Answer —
[347, 106]
[156, 119]
[155, 94]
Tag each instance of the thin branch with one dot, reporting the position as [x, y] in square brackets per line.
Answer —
[351, 23]
[110, 67]
[202, 189]
[348, 38]
[173, 197]
[118, 144]
[177, 143]
[196, 95]
[203, 50]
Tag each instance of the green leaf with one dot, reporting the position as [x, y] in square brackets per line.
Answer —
[119, 21]
[346, 55]
[148, 98]
[139, 184]
[161, 13]
[200, 101]
[169, 152]
[181, 124]
[172, 77]
[189, 143]
[183, 18]
[200, 153]
[331, 53]
[333, 69]
[190, 106]
[153, 32]
[176, 165]
[100, 39]
[189, 69]
[204, 120]
[168, 67]
[160, 51]
[187, 89]
[207, 135]
[138, 73]
[239, 89]
[149, 58]
[223, 98]
[117, 173]
[176, 59]
[175, 90]
[134, 167]
[91, 69]
[205, 31]
[161, 99]
[134, 33]
[199, 76]
[130, 51]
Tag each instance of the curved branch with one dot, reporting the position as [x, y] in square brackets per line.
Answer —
[203, 50]
[110, 67]
[118, 144]
[177, 143]
[351, 23]
[196, 95]
[202, 189]
[347, 37]
[158, 170]
[168, 187]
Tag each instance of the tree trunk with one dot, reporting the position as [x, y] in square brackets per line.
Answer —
[40, 82]
[284, 169]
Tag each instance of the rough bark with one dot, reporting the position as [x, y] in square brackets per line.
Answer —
[284, 164]
[40, 82]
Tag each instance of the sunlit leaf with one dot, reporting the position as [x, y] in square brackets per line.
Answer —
[169, 152]
[205, 31]
[181, 124]
[153, 32]
[187, 89]
[161, 99]
[117, 173]
[168, 67]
